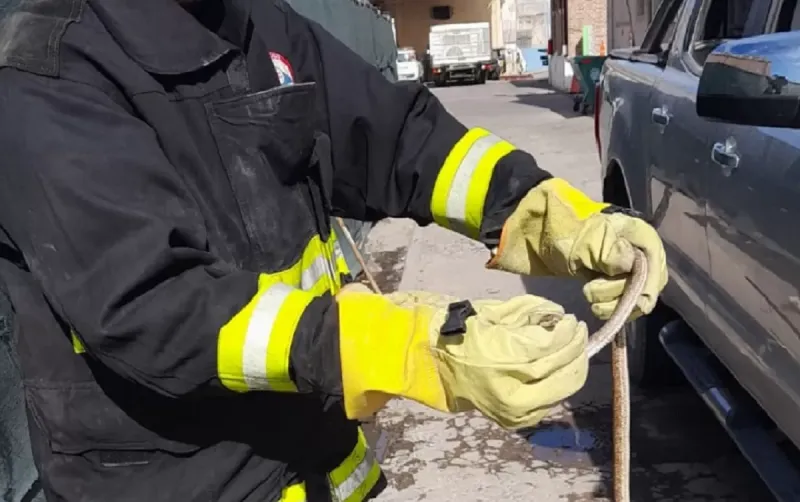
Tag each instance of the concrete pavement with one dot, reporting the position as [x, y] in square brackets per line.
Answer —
[679, 451]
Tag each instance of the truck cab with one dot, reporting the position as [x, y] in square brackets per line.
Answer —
[679, 143]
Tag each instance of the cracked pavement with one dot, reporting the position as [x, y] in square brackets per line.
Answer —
[679, 451]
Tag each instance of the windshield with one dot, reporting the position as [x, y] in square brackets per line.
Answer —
[406, 57]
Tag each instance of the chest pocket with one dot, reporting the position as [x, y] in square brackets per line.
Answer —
[270, 149]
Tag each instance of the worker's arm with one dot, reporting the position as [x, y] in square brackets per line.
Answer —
[120, 249]
[397, 152]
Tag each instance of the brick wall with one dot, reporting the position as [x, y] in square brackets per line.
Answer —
[586, 12]
[413, 21]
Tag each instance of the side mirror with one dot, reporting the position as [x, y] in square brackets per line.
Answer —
[753, 81]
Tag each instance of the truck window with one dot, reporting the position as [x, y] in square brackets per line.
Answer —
[788, 17]
[669, 34]
[717, 21]
[661, 31]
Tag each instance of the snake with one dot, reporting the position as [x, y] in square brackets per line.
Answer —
[610, 333]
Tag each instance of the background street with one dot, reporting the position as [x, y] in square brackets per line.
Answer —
[679, 451]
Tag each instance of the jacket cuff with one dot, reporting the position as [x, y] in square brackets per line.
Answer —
[315, 363]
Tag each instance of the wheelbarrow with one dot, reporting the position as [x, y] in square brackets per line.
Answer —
[587, 71]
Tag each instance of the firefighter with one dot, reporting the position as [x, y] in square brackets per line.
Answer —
[169, 174]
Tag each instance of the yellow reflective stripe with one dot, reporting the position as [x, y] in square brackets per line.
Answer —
[316, 270]
[478, 185]
[353, 479]
[461, 186]
[294, 493]
[338, 265]
[77, 344]
[338, 257]
[253, 348]
[441, 189]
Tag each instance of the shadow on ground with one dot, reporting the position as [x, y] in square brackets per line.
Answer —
[669, 426]
[542, 95]
[534, 83]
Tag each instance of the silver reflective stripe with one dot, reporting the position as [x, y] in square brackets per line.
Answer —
[338, 254]
[356, 479]
[314, 272]
[459, 188]
[254, 362]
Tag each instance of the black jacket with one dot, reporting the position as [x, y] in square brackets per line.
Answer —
[166, 173]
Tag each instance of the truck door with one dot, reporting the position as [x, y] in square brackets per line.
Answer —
[754, 243]
[678, 145]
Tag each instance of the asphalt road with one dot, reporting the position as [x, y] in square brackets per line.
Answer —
[679, 451]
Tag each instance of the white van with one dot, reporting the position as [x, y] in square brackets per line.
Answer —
[408, 67]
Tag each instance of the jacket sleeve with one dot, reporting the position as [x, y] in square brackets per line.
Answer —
[120, 250]
[398, 153]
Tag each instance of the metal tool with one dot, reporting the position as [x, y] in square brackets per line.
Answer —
[611, 333]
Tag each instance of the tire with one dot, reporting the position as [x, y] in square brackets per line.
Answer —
[649, 365]
[481, 78]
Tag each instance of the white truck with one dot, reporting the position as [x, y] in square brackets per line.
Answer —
[460, 52]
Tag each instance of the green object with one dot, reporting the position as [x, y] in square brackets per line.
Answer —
[586, 37]
[587, 70]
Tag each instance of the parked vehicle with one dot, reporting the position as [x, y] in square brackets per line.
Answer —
[408, 66]
[459, 52]
[492, 69]
[697, 130]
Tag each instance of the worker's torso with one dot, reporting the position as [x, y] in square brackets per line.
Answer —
[246, 133]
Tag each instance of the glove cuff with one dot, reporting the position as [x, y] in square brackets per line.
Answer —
[385, 352]
[538, 236]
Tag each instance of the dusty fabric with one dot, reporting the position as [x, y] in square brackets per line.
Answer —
[369, 34]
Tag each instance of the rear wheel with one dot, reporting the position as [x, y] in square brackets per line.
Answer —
[649, 365]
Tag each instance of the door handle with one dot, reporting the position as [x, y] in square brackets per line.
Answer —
[726, 156]
[660, 116]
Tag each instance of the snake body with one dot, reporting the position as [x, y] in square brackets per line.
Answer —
[611, 333]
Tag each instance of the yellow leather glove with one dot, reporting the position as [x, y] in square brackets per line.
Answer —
[558, 230]
[514, 360]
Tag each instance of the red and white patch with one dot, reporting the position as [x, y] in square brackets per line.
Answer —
[282, 68]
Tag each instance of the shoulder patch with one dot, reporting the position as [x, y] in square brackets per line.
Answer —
[282, 68]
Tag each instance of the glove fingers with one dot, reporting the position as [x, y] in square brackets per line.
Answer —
[531, 401]
[644, 237]
[605, 289]
[520, 311]
[528, 352]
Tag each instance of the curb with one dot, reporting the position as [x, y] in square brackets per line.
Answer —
[524, 76]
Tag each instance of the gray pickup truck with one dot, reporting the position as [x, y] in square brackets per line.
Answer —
[698, 130]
